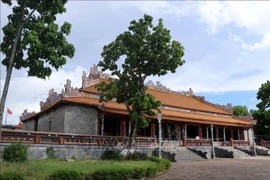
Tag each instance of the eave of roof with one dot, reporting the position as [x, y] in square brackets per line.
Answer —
[114, 107]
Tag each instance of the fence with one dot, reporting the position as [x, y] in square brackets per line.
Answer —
[33, 137]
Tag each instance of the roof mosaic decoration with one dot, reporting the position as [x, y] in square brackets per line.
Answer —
[93, 77]
[159, 86]
[52, 98]
[26, 114]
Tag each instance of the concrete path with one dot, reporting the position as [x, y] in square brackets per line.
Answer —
[251, 168]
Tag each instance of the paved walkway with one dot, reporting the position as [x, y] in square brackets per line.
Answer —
[233, 169]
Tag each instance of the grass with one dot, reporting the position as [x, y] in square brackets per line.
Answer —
[40, 169]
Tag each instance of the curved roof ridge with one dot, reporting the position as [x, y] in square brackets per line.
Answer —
[226, 108]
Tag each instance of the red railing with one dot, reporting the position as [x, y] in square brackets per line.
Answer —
[265, 143]
[239, 143]
[197, 142]
[33, 137]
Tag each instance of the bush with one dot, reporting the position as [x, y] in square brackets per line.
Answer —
[137, 156]
[11, 176]
[162, 163]
[65, 175]
[139, 173]
[16, 152]
[50, 153]
[151, 172]
[112, 155]
[112, 174]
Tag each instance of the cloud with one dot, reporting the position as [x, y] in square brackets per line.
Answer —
[252, 16]
[26, 92]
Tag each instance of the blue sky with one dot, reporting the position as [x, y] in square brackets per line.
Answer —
[226, 48]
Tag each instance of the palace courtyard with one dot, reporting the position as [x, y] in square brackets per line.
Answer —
[253, 168]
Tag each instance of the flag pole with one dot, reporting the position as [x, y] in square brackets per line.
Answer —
[6, 118]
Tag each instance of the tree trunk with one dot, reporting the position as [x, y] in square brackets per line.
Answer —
[9, 73]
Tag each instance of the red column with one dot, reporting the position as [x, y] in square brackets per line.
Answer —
[200, 131]
[153, 128]
[178, 130]
[123, 125]
[217, 134]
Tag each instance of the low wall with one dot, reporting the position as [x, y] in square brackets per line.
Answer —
[39, 151]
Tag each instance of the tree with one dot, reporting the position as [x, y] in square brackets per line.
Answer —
[262, 115]
[240, 110]
[34, 41]
[147, 51]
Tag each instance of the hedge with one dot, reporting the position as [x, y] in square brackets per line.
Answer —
[11, 176]
[65, 175]
[113, 173]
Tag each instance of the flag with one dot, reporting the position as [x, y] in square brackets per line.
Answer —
[9, 111]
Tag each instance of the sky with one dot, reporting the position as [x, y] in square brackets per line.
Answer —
[227, 48]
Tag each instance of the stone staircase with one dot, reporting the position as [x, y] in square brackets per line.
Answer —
[262, 151]
[181, 154]
[230, 152]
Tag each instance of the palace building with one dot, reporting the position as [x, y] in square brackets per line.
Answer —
[184, 115]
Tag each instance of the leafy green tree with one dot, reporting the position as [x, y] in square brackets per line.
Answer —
[33, 40]
[262, 115]
[147, 51]
[240, 110]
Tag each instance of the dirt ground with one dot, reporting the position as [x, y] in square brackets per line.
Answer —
[254, 168]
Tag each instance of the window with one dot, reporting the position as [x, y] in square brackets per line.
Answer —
[50, 125]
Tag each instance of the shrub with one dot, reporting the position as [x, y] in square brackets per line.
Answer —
[50, 153]
[16, 152]
[65, 175]
[162, 163]
[139, 173]
[151, 172]
[112, 174]
[112, 155]
[137, 156]
[11, 176]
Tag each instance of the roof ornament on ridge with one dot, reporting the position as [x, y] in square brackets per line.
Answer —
[93, 77]
[52, 98]
[69, 90]
[26, 114]
[157, 86]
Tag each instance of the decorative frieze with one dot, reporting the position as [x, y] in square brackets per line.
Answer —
[52, 98]
[194, 111]
[26, 114]
[93, 77]
[249, 117]
[69, 90]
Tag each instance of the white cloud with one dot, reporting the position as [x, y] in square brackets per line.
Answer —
[252, 16]
[235, 37]
[26, 92]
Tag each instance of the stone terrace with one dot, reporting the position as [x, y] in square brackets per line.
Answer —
[220, 169]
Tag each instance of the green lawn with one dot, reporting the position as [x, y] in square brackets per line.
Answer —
[40, 169]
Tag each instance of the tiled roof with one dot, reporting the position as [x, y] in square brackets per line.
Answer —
[114, 107]
[173, 100]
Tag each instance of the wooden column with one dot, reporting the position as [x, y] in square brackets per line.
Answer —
[123, 127]
[231, 133]
[178, 132]
[153, 128]
[242, 135]
[217, 134]
[224, 135]
[200, 131]
[248, 138]
[207, 132]
[185, 137]
[101, 121]
[238, 131]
